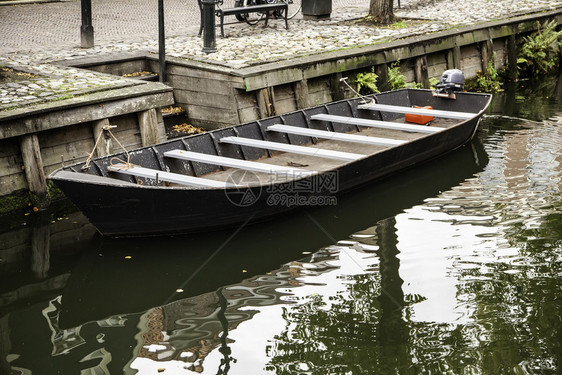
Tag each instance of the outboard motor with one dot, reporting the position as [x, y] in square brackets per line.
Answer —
[451, 81]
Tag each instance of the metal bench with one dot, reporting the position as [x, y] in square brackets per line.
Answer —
[417, 111]
[376, 123]
[267, 8]
[237, 163]
[344, 137]
[176, 178]
[301, 150]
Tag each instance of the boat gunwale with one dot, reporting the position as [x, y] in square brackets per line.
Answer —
[119, 183]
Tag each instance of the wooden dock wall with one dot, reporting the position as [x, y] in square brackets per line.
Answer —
[216, 96]
[36, 141]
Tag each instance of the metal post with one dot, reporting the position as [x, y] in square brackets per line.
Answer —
[209, 40]
[86, 29]
[161, 42]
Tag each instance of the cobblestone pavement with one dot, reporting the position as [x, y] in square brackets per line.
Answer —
[35, 35]
[55, 25]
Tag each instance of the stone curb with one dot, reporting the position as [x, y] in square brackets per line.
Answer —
[321, 39]
[21, 2]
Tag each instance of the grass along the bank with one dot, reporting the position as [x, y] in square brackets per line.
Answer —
[539, 53]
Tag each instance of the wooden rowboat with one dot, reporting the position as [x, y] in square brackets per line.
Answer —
[257, 170]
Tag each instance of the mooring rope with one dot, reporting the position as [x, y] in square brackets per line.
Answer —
[344, 80]
[126, 164]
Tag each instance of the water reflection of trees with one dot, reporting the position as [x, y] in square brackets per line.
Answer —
[526, 331]
[360, 331]
[513, 283]
[512, 286]
[515, 327]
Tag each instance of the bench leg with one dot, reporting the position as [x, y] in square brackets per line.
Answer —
[222, 25]
[266, 18]
[286, 19]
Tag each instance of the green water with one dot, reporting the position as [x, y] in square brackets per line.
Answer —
[453, 267]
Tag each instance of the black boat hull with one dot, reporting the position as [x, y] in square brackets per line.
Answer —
[140, 210]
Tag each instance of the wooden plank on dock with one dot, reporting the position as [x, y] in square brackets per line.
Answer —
[237, 163]
[417, 111]
[168, 176]
[344, 137]
[376, 123]
[302, 150]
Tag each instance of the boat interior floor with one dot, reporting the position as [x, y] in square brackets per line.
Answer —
[320, 164]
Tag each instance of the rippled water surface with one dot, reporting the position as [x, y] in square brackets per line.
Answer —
[453, 267]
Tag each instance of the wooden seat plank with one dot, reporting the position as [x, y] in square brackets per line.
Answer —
[168, 176]
[344, 137]
[302, 150]
[417, 111]
[376, 123]
[236, 163]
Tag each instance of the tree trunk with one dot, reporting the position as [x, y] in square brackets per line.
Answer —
[381, 11]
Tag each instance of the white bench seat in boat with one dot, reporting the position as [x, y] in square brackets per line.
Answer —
[376, 123]
[302, 150]
[344, 137]
[417, 111]
[168, 176]
[237, 163]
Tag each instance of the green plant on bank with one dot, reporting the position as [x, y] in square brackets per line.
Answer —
[397, 80]
[15, 201]
[490, 81]
[24, 199]
[433, 83]
[367, 82]
[539, 52]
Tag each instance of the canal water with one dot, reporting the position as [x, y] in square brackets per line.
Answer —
[452, 267]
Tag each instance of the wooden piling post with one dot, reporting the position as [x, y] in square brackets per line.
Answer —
[382, 72]
[301, 94]
[512, 72]
[336, 87]
[105, 145]
[421, 73]
[33, 166]
[449, 59]
[266, 102]
[148, 125]
[486, 52]
[457, 57]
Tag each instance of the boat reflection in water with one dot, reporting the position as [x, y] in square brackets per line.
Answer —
[170, 303]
